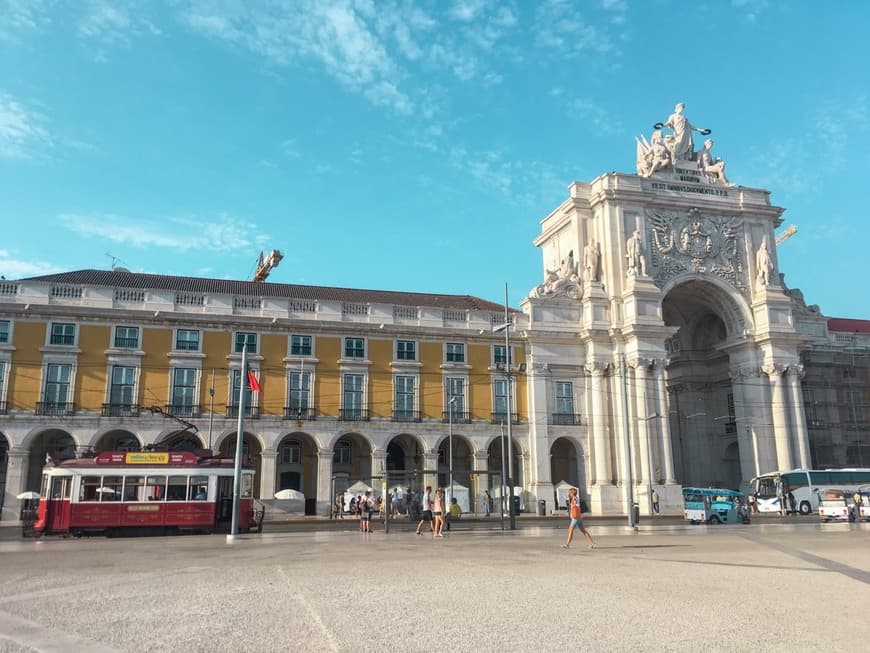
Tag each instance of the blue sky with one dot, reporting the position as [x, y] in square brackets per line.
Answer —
[411, 145]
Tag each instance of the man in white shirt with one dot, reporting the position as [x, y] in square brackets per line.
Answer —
[427, 510]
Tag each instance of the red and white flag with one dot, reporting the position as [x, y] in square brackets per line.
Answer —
[253, 382]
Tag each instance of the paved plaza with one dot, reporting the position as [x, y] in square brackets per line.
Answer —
[763, 587]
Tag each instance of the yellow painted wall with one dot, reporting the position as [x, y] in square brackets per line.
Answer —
[154, 377]
[522, 393]
[431, 383]
[273, 374]
[91, 384]
[216, 347]
[327, 384]
[380, 353]
[25, 374]
[479, 381]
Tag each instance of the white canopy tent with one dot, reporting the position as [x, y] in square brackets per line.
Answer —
[460, 493]
[561, 489]
[496, 496]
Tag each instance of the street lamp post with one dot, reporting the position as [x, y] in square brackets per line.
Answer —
[450, 446]
[506, 327]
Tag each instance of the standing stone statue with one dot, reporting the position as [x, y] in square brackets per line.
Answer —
[763, 264]
[591, 260]
[682, 147]
[636, 255]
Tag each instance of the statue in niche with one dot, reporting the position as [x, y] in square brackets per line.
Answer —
[763, 264]
[682, 146]
[634, 252]
[713, 168]
[591, 260]
[562, 281]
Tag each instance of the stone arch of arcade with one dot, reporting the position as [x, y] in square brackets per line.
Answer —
[179, 440]
[351, 461]
[252, 449]
[116, 440]
[711, 322]
[567, 464]
[57, 444]
[494, 462]
[463, 461]
[296, 464]
[405, 462]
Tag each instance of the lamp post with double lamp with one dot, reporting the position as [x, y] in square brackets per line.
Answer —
[450, 405]
[506, 327]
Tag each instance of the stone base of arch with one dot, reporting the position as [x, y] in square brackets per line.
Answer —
[606, 499]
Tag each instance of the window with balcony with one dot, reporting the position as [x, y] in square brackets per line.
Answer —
[403, 401]
[406, 350]
[62, 333]
[56, 393]
[126, 337]
[565, 404]
[352, 397]
[184, 401]
[237, 378]
[298, 403]
[354, 348]
[454, 398]
[499, 400]
[455, 352]
[249, 339]
[4, 331]
[291, 453]
[122, 401]
[187, 340]
[300, 345]
[499, 355]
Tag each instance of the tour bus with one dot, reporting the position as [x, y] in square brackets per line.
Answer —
[804, 485]
[713, 506]
[140, 492]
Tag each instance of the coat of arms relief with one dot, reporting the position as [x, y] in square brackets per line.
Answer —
[692, 242]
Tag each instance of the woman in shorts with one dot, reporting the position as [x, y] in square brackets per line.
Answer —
[438, 512]
[576, 514]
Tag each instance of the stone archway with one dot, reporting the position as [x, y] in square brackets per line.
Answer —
[463, 461]
[565, 464]
[351, 461]
[405, 462]
[296, 465]
[494, 463]
[117, 440]
[180, 441]
[709, 342]
[251, 452]
[54, 443]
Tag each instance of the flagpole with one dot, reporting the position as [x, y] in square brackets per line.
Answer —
[240, 430]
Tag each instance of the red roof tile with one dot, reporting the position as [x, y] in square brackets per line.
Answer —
[846, 325]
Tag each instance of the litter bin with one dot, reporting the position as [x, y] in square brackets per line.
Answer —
[635, 513]
[542, 508]
[516, 506]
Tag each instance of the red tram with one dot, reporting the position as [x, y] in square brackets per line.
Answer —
[143, 492]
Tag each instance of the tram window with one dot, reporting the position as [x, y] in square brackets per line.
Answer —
[89, 487]
[177, 490]
[111, 488]
[247, 484]
[198, 488]
[133, 486]
[57, 488]
[156, 488]
[45, 482]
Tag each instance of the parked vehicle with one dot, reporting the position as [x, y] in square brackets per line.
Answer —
[714, 506]
[835, 505]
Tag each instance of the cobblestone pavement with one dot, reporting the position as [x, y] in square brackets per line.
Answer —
[762, 587]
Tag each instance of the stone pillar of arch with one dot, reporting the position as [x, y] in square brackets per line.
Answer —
[538, 480]
[324, 481]
[599, 451]
[666, 451]
[379, 471]
[779, 412]
[481, 480]
[430, 469]
[747, 433]
[641, 389]
[267, 474]
[798, 416]
[18, 460]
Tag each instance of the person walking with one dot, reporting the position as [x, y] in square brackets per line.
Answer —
[427, 511]
[487, 503]
[655, 502]
[438, 513]
[366, 508]
[576, 516]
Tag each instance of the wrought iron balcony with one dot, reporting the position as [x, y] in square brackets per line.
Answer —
[182, 410]
[308, 414]
[60, 339]
[55, 409]
[456, 416]
[120, 410]
[186, 345]
[126, 343]
[403, 415]
[251, 412]
[565, 419]
[353, 414]
[501, 418]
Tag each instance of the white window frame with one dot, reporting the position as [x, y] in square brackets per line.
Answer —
[175, 340]
[290, 351]
[450, 351]
[498, 383]
[70, 398]
[354, 358]
[253, 397]
[309, 390]
[173, 370]
[363, 390]
[449, 380]
[50, 333]
[400, 358]
[111, 384]
[559, 397]
[137, 345]
[9, 325]
[291, 446]
[415, 392]
[237, 350]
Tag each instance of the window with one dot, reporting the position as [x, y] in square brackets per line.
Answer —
[406, 350]
[300, 384]
[126, 337]
[155, 488]
[57, 379]
[62, 334]
[564, 398]
[121, 391]
[810, 407]
[455, 352]
[731, 424]
[404, 388]
[243, 339]
[4, 331]
[187, 340]
[455, 394]
[856, 411]
[198, 488]
[291, 453]
[234, 396]
[352, 402]
[499, 355]
[111, 488]
[354, 348]
[341, 453]
[177, 489]
[134, 488]
[300, 345]
[184, 386]
[2, 378]
[500, 397]
[849, 373]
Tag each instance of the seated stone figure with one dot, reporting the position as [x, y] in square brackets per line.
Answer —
[713, 168]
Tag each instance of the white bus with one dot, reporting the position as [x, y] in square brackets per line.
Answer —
[804, 484]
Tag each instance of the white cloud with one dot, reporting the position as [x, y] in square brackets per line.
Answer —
[593, 114]
[561, 26]
[18, 17]
[223, 233]
[15, 266]
[22, 131]
[113, 23]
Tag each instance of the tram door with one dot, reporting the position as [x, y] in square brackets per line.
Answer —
[224, 501]
[59, 507]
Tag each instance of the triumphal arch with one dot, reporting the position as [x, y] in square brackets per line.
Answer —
[662, 310]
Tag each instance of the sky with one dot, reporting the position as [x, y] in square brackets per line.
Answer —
[411, 146]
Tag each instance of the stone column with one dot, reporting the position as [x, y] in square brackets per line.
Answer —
[641, 390]
[779, 410]
[18, 458]
[539, 481]
[747, 446]
[798, 416]
[481, 481]
[430, 463]
[267, 474]
[620, 424]
[600, 453]
[667, 453]
[379, 471]
[324, 481]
